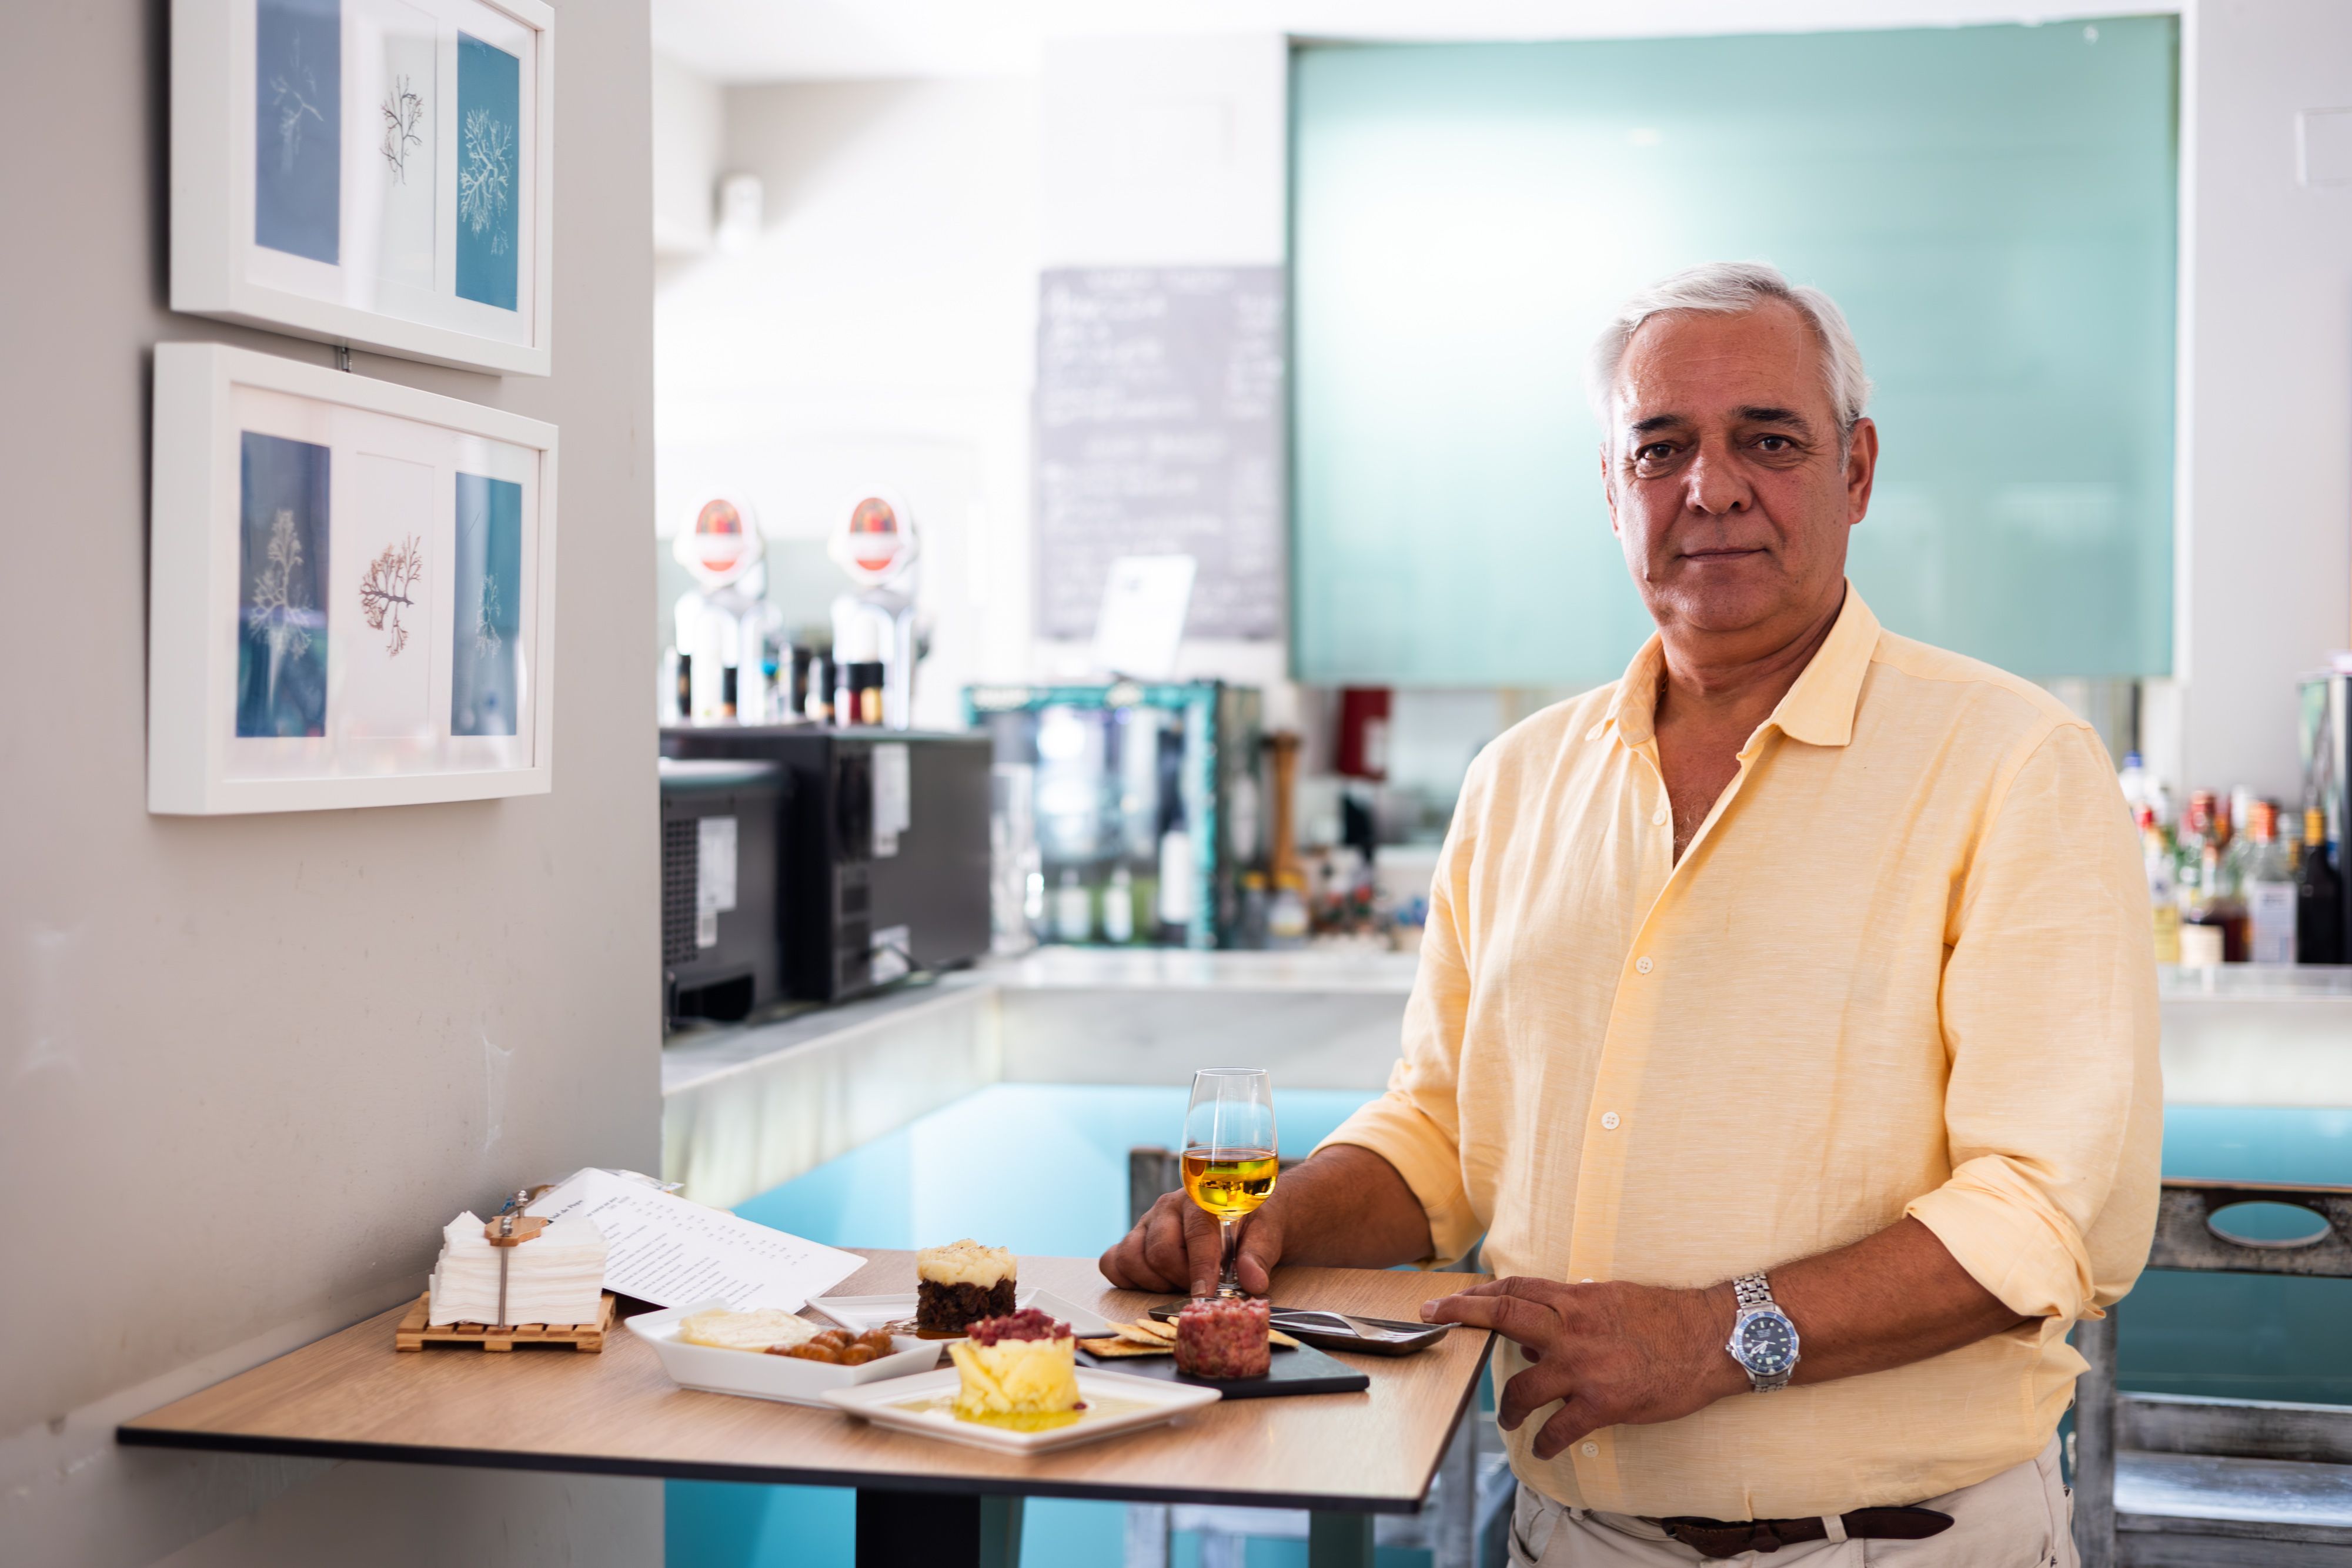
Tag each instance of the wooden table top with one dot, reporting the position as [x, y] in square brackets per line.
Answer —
[352, 1396]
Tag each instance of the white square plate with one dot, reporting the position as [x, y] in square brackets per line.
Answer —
[858, 1314]
[1115, 1404]
[757, 1376]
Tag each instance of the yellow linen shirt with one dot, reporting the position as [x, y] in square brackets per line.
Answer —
[1904, 967]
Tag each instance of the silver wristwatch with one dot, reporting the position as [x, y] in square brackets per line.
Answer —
[1763, 1340]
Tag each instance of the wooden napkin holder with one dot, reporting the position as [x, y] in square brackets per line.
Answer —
[417, 1330]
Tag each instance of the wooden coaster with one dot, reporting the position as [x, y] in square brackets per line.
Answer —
[415, 1333]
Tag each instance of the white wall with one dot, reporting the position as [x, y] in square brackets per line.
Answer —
[1166, 151]
[2265, 563]
[880, 332]
[690, 134]
[253, 1064]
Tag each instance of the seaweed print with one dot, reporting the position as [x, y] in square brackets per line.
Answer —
[389, 588]
[289, 95]
[486, 631]
[486, 175]
[271, 610]
[404, 111]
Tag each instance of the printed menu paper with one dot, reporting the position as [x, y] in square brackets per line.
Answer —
[668, 1251]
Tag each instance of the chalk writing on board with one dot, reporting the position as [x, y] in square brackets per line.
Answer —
[1159, 432]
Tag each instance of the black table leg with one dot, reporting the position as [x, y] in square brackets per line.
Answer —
[937, 1530]
[1338, 1540]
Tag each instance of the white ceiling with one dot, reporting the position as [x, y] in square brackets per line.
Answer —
[804, 40]
[786, 40]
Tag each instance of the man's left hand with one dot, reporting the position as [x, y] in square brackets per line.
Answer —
[1612, 1353]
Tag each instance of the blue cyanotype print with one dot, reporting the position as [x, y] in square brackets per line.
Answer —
[489, 192]
[486, 626]
[298, 135]
[282, 623]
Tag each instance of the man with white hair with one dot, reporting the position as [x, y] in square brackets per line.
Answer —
[1786, 1024]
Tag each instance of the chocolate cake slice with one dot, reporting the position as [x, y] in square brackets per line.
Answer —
[959, 1285]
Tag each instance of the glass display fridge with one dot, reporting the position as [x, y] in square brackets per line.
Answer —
[1124, 813]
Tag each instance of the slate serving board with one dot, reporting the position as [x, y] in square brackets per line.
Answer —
[1308, 1329]
[1302, 1371]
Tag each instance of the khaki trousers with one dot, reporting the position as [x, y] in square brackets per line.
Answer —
[2022, 1518]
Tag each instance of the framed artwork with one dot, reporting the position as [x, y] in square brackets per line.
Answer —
[369, 173]
[352, 591]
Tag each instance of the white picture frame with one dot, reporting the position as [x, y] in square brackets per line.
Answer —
[351, 592]
[373, 173]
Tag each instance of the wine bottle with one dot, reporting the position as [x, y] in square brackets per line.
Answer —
[2319, 897]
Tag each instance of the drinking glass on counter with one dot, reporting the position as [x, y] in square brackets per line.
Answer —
[1230, 1159]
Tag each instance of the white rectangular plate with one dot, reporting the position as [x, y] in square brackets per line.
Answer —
[858, 1314]
[1115, 1404]
[756, 1376]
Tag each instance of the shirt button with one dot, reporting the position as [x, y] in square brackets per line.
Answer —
[1586, 1280]
[1642, 964]
[1609, 1120]
[1590, 1449]
[1659, 817]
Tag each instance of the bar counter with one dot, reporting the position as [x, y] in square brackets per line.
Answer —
[747, 1108]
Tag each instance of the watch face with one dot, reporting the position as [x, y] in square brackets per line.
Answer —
[1767, 1345]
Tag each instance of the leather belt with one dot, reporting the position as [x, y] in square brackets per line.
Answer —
[1723, 1538]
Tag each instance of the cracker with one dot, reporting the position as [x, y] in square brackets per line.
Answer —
[1117, 1347]
[1134, 1335]
[1164, 1333]
[1275, 1336]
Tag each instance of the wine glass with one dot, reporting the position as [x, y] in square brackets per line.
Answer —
[1230, 1159]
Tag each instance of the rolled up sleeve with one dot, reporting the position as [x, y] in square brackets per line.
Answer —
[1416, 1125]
[2054, 1105]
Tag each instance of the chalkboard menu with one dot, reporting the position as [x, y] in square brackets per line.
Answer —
[1159, 432]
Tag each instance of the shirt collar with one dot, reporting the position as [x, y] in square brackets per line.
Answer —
[1817, 710]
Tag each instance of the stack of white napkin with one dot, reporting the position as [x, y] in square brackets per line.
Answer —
[556, 1276]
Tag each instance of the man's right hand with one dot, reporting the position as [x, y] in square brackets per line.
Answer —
[1346, 1206]
[1176, 1248]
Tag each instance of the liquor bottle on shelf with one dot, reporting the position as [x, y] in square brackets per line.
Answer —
[2212, 917]
[2142, 788]
[2163, 896]
[2196, 827]
[1073, 910]
[1118, 907]
[2268, 877]
[2237, 815]
[1288, 922]
[2319, 897]
[2188, 866]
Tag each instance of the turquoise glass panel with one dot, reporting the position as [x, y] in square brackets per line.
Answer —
[1994, 208]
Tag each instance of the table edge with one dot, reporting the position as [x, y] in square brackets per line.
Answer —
[132, 1435]
[135, 1433]
[1462, 1412]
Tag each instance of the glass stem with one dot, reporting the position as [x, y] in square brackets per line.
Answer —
[1229, 1239]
